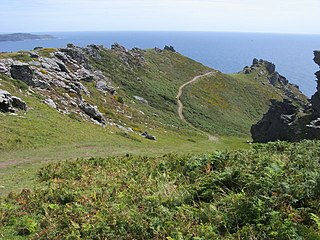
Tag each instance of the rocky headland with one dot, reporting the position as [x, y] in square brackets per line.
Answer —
[288, 121]
[23, 36]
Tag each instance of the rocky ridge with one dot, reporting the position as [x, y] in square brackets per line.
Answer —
[268, 69]
[65, 70]
[68, 82]
[288, 121]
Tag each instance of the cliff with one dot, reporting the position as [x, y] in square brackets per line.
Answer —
[288, 121]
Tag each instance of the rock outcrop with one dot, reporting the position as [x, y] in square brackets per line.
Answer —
[169, 48]
[62, 76]
[130, 58]
[290, 122]
[267, 70]
[9, 103]
[93, 112]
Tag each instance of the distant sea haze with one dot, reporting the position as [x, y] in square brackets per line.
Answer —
[227, 52]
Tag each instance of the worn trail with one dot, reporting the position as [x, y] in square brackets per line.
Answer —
[180, 104]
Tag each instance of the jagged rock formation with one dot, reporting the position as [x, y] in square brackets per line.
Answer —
[169, 48]
[66, 70]
[9, 103]
[268, 69]
[288, 121]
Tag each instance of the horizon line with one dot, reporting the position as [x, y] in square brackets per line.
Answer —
[182, 31]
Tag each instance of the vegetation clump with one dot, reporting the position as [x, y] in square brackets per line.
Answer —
[270, 191]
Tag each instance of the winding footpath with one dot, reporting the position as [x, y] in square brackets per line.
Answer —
[180, 104]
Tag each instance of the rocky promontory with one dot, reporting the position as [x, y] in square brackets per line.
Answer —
[22, 37]
[288, 121]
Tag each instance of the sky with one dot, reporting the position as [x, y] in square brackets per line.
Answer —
[276, 16]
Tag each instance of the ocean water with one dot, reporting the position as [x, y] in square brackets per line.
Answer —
[227, 52]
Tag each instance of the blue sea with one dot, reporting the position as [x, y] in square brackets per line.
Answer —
[227, 52]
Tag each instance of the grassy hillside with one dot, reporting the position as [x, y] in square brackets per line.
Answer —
[229, 104]
[268, 192]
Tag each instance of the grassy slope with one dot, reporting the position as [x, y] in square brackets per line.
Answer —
[268, 192]
[228, 104]
[43, 134]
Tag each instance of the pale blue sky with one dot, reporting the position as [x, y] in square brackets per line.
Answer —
[280, 16]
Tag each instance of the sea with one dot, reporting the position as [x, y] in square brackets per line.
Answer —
[228, 52]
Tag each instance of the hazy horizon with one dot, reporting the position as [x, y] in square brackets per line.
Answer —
[248, 16]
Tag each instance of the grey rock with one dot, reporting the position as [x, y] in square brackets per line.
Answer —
[50, 64]
[255, 61]
[104, 87]
[119, 48]
[18, 103]
[76, 54]
[141, 99]
[169, 48]
[92, 112]
[84, 75]
[61, 56]
[50, 103]
[33, 55]
[8, 103]
[275, 124]
[158, 50]
[148, 136]
[3, 68]
[23, 72]
[316, 58]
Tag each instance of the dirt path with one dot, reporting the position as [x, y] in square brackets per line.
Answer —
[180, 104]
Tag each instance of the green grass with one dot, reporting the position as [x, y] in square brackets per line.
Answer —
[19, 56]
[267, 192]
[227, 104]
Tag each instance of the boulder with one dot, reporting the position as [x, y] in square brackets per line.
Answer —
[23, 72]
[8, 103]
[50, 103]
[18, 103]
[104, 87]
[92, 112]
[141, 99]
[148, 136]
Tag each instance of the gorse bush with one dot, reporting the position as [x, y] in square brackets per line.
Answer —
[271, 191]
